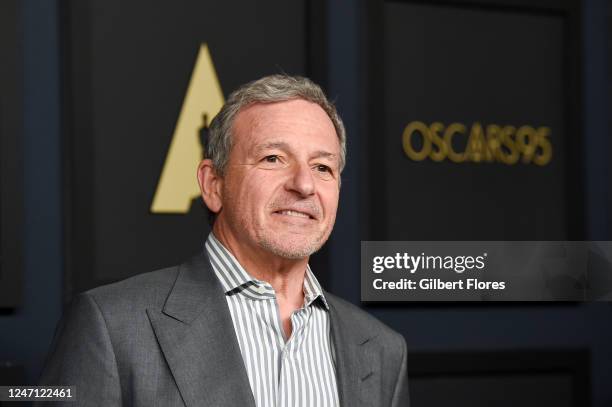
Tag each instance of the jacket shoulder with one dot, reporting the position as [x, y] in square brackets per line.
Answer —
[146, 290]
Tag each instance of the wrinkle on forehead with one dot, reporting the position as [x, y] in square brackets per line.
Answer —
[263, 121]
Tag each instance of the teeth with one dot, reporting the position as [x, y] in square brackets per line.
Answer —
[294, 213]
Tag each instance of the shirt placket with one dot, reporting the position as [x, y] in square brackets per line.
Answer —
[290, 387]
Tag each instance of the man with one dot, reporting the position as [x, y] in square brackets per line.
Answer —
[245, 323]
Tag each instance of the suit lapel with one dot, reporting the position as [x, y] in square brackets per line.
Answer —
[197, 337]
[357, 359]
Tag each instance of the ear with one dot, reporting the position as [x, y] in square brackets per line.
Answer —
[210, 185]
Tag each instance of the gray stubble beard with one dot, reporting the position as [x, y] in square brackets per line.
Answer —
[264, 241]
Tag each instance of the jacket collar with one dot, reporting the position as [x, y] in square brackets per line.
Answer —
[357, 356]
[197, 337]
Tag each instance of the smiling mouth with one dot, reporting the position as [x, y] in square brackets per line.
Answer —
[294, 213]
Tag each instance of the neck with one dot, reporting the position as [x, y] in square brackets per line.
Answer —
[286, 276]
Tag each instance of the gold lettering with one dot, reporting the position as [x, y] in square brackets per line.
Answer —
[491, 143]
[526, 142]
[511, 156]
[476, 144]
[544, 144]
[451, 130]
[411, 129]
[438, 142]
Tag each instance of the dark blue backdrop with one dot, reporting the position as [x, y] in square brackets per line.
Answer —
[26, 334]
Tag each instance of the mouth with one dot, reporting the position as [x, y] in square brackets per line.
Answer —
[295, 213]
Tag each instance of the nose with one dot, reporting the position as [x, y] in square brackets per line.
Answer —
[301, 180]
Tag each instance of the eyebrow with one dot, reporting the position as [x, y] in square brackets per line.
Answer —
[324, 154]
[281, 145]
[271, 145]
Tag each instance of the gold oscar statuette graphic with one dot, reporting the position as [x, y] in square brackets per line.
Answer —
[177, 186]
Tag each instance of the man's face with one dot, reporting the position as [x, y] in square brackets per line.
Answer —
[281, 185]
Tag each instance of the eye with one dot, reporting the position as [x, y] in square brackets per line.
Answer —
[323, 168]
[271, 158]
[323, 171]
[273, 161]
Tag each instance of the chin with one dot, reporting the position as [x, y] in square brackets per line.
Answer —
[289, 248]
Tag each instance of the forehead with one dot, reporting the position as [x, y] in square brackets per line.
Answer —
[299, 123]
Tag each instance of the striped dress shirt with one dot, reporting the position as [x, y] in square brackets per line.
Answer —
[294, 372]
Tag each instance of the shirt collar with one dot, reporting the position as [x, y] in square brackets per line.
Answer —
[234, 278]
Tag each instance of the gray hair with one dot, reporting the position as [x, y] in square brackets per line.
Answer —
[269, 89]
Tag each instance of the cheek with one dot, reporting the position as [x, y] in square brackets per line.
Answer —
[255, 195]
[237, 196]
[329, 198]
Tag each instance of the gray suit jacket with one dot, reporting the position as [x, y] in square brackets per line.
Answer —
[166, 338]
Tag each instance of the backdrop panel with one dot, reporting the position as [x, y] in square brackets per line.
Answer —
[11, 124]
[473, 132]
[529, 377]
